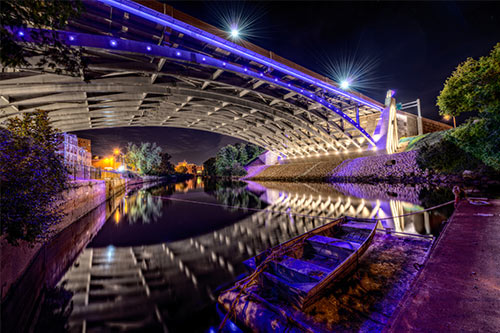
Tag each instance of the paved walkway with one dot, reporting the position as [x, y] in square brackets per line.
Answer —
[459, 287]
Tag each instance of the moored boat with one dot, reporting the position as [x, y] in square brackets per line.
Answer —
[300, 269]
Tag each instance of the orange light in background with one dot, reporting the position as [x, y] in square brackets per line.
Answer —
[446, 117]
[125, 207]
[117, 216]
[116, 151]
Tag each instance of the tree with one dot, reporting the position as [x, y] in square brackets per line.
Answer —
[144, 158]
[209, 168]
[473, 86]
[230, 160]
[33, 178]
[46, 17]
[253, 151]
[165, 167]
[242, 154]
[225, 160]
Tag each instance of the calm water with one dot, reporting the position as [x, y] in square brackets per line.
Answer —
[160, 259]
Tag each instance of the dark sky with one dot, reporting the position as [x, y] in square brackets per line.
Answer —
[414, 47]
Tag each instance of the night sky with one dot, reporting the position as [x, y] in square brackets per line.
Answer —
[412, 47]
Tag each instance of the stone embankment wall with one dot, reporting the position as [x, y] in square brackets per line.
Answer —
[396, 168]
[85, 195]
[81, 198]
[26, 269]
[401, 166]
[313, 169]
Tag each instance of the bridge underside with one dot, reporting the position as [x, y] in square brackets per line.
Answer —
[142, 73]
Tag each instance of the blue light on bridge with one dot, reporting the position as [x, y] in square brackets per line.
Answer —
[113, 43]
[189, 30]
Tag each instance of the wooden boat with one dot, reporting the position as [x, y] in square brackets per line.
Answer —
[300, 269]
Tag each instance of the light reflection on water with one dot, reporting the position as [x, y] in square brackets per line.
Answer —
[158, 263]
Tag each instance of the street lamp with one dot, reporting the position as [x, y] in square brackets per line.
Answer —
[120, 159]
[447, 117]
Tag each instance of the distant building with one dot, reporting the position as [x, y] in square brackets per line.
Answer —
[72, 153]
[85, 143]
[191, 168]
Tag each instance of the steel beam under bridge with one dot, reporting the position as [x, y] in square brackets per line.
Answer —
[147, 68]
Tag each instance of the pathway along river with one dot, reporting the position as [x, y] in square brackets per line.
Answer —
[162, 256]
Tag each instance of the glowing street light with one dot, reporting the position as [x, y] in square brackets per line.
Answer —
[447, 117]
[235, 33]
[116, 151]
[344, 84]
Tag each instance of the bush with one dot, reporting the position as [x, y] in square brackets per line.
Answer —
[445, 156]
[480, 138]
[32, 180]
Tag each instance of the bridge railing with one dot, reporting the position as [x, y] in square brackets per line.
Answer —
[86, 172]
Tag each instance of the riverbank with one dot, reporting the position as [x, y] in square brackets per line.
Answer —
[400, 168]
[25, 267]
[459, 286]
[400, 284]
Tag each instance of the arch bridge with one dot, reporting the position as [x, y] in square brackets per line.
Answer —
[151, 65]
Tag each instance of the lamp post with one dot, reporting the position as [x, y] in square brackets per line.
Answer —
[119, 154]
[447, 118]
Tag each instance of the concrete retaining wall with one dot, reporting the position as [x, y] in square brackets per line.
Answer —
[81, 198]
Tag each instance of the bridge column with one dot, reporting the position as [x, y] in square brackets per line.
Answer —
[386, 133]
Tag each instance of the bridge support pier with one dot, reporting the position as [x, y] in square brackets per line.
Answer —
[386, 133]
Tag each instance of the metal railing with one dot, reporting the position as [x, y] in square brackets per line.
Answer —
[84, 172]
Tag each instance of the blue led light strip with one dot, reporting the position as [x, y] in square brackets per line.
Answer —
[112, 43]
[163, 19]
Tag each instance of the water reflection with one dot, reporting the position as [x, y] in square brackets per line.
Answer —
[166, 212]
[142, 206]
[159, 262]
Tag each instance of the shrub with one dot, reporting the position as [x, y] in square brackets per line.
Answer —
[32, 180]
[445, 156]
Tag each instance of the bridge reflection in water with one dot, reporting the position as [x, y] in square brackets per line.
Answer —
[173, 285]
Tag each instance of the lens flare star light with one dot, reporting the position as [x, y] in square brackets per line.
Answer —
[235, 33]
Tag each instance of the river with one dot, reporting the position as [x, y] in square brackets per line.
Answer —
[160, 259]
